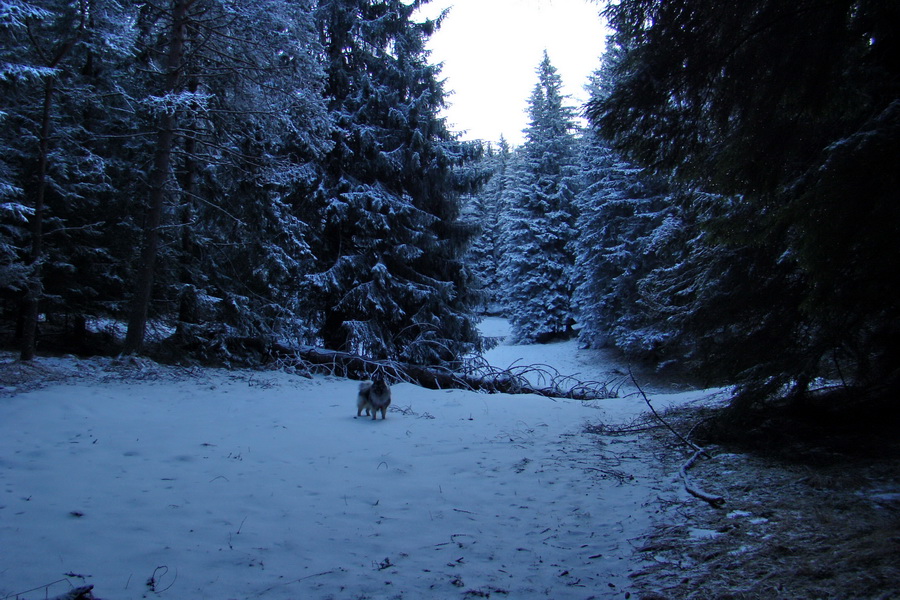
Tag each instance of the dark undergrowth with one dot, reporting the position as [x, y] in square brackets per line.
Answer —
[191, 346]
[843, 424]
[812, 504]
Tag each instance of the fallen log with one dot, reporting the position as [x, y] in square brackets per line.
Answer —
[480, 378]
[473, 374]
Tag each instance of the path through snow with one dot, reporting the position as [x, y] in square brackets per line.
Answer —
[264, 485]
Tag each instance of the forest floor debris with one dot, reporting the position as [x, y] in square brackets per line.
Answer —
[792, 530]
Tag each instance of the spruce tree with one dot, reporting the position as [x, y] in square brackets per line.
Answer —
[540, 217]
[620, 211]
[389, 242]
[484, 210]
[242, 248]
[56, 168]
[238, 124]
[789, 115]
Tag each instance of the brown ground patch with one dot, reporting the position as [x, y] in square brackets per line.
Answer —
[822, 529]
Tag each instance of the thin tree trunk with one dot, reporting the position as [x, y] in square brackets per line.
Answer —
[187, 301]
[162, 158]
[34, 290]
[35, 287]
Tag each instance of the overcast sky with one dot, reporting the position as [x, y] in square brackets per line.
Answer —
[491, 50]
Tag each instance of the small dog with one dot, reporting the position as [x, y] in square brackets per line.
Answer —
[373, 396]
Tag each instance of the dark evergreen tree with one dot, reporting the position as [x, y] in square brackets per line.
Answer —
[17, 75]
[237, 123]
[485, 211]
[540, 217]
[789, 114]
[244, 175]
[56, 166]
[201, 127]
[626, 218]
[389, 240]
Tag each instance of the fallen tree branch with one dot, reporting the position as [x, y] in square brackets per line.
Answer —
[711, 499]
[683, 439]
[79, 593]
[474, 375]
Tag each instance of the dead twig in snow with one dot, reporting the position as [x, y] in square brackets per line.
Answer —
[683, 439]
[153, 581]
[712, 499]
[298, 580]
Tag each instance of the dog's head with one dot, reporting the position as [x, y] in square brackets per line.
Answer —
[378, 385]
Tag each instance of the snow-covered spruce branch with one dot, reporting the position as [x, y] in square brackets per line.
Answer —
[475, 375]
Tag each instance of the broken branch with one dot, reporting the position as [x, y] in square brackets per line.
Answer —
[711, 499]
[474, 375]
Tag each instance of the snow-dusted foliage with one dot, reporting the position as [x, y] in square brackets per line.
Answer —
[388, 240]
[281, 164]
[485, 210]
[540, 217]
[14, 215]
[237, 122]
[15, 13]
[623, 218]
[247, 170]
[54, 162]
[793, 134]
[645, 267]
[83, 95]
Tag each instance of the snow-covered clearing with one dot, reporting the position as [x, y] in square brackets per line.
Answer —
[161, 482]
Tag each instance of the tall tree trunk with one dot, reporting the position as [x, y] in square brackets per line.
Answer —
[34, 290]
[162, 158]
[187, 301]
[35, 287]
[334, 335]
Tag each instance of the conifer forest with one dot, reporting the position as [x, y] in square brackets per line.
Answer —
[197, 180]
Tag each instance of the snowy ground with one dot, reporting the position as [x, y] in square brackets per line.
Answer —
[159, 482]
[599, 365]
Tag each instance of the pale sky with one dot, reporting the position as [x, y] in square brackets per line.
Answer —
[492, 48]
